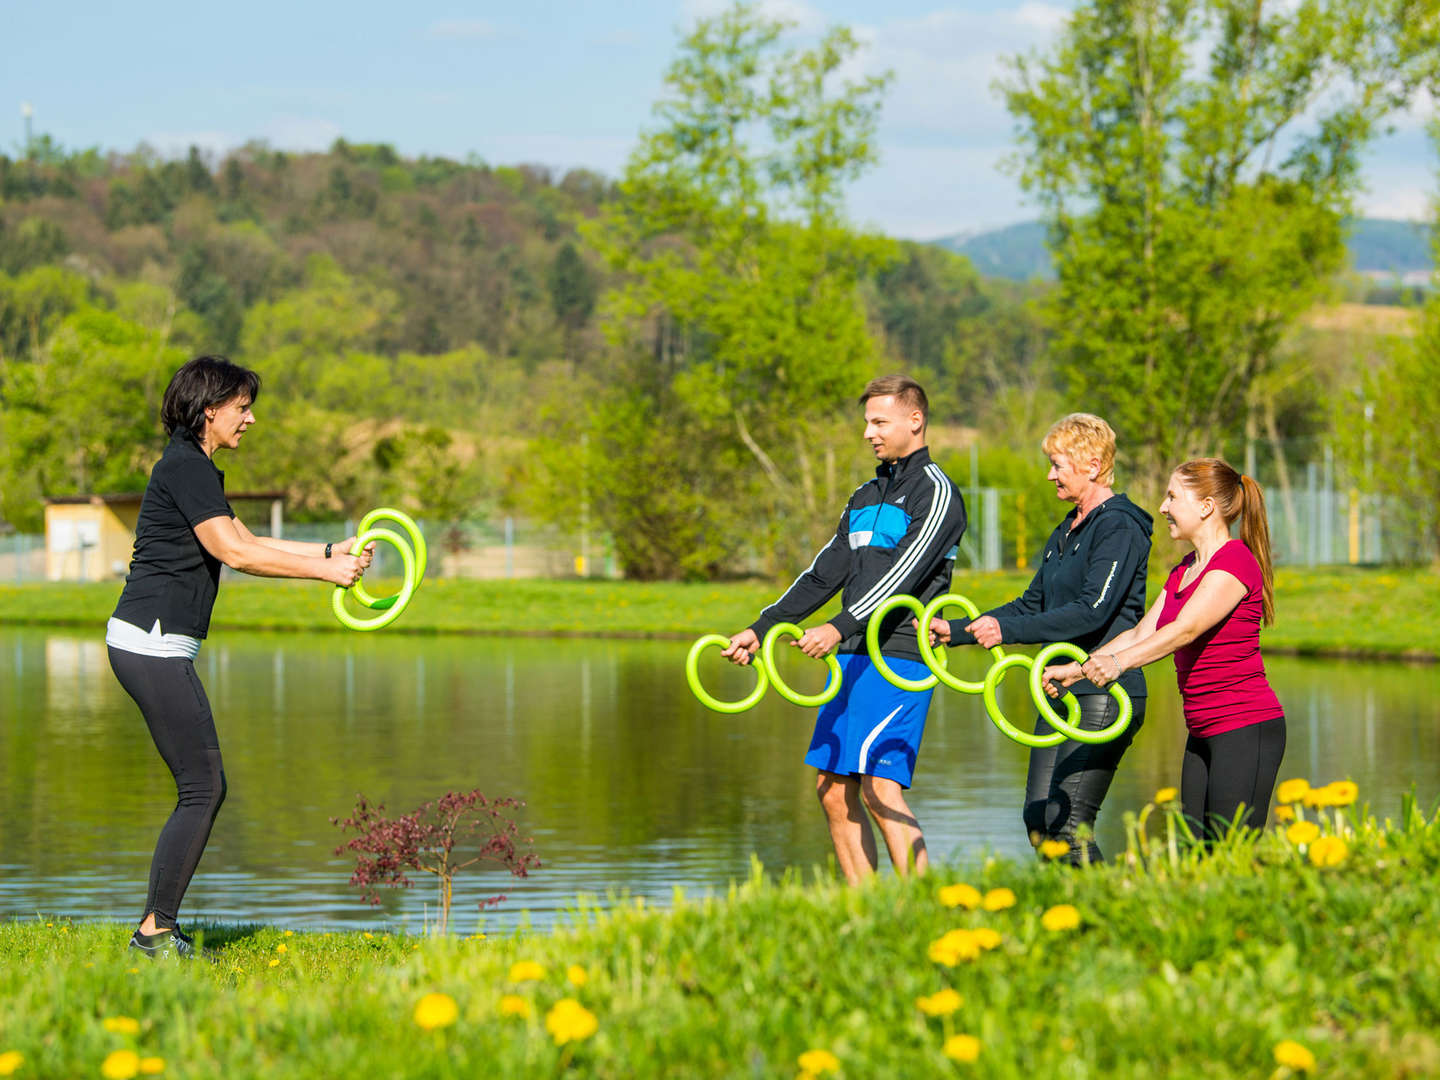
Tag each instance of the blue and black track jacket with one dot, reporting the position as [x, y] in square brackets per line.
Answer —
[898, 534]
[1090, 586]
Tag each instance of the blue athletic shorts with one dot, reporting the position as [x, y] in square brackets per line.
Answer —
[872, 727]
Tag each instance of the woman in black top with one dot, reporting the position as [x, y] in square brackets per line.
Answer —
[1090, 585]
[186, 529]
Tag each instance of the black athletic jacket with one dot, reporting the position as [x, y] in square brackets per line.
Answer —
[898, 534]
[1090, 586]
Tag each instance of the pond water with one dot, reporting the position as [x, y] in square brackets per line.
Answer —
[632, 788]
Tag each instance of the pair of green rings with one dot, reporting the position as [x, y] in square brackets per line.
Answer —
[1064, 728]
[412, 557]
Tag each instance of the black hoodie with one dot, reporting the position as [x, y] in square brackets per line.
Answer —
[1090, 586]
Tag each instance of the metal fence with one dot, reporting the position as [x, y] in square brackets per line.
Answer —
[1318, 517]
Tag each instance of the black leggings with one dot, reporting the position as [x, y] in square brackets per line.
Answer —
[1223, 772]
[1067, 783]
[178, 714]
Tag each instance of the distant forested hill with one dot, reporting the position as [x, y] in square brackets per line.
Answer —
[1017, 252]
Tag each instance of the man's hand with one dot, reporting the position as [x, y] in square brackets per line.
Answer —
[986, 630]
[939, 631]
[741, 649]
[1064, 674]
[819, 641]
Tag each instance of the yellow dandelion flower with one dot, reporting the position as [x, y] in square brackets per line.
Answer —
[1291, 1054]
[576, 975]
[11, 1060]
[818, 1062]
[1329, 851]
[966, 896]
[282, 948]
[962, 1048]
[120, 1065]
[941, 1003]
[152, 1066]
[122, 1025]
[1343, 792]
[998, 900]
[289, 933]
[1291, 791]
[436, 1011]
[368, 934]
[986, 938]
[1302, 832]
[274, 963]
[515, 1005]
[1061, 917]
[1284, 813]
[955, 946]
[569, 1021]
[1054, 849]
[1317, 798]
[1166, 794]
[133, 971]
[526, 971]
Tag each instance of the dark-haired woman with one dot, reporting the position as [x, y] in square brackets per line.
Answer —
[186, 529]
[1209, 616]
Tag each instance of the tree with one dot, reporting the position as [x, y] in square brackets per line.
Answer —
[739, 332]
[1194, 161]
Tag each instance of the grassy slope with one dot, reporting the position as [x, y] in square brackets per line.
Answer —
[1374, 612]
[1181, 968]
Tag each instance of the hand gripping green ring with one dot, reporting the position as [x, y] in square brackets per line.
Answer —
[406, 522]
[692, 676]
[928, 652]
[396, 604]
[992, 706]
[872, 645]
[767, 651]
[1067, 727]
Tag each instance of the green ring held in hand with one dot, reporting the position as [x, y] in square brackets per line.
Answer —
[692, 676]
[992, 705]
[406, 522]
[927, 651]
[767, 651]
[393, 605]
[1067, 727]
[872, 645]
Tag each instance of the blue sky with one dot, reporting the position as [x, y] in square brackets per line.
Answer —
[558, 83]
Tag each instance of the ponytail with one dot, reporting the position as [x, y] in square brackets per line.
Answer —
[1237, 496]
[1255, 534]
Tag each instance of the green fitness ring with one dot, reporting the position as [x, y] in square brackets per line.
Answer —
[767, 652]
[417, 541]
[692, 676]
[872, 644]
[992, 706]
[928, 652]
[396, 603]
[1072, 708]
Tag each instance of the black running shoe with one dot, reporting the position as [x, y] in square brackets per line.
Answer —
[165, 943]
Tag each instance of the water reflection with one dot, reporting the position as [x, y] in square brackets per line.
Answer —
[632, 787]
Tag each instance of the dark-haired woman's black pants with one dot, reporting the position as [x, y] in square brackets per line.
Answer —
[178, 714]
[1067, 782]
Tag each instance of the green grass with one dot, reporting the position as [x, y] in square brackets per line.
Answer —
[1183, 966]
[1332, 611]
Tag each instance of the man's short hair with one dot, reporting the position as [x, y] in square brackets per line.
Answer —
[904, 389]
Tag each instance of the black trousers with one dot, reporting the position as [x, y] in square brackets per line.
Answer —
[1067, 783]
[178, 714]
[1223, 772]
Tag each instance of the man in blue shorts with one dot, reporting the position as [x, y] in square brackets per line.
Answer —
[898, 534]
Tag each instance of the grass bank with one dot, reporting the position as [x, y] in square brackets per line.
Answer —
[1165, 964]
[1331, 611]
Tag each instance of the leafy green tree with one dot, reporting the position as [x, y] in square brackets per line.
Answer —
[1194, 161]
[739, 332]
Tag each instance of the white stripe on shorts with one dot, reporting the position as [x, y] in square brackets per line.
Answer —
[865, 746]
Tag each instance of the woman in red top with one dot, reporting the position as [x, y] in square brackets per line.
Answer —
[1209, 616]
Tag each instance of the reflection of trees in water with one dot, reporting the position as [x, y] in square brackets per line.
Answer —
[624, 773]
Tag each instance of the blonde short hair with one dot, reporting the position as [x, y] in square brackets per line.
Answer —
[1080, 437]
